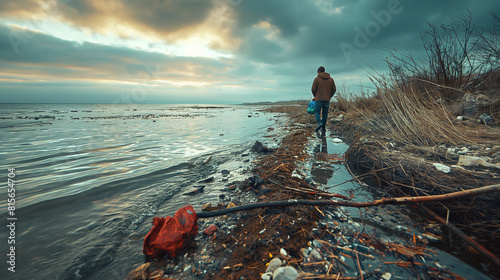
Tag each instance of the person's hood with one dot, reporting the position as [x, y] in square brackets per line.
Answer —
[324, 75]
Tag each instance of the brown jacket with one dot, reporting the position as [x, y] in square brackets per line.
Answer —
[323, 87]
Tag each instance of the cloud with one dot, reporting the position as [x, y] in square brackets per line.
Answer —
[211, 48]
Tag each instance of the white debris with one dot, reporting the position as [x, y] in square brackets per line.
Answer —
[295, 174]
[475, 161]
[441, 167]
[337, 140]
[386, 276]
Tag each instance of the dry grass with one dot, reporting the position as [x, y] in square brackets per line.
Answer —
[357, 105]
[411, 116]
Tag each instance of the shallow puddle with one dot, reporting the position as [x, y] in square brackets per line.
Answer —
[392, 240]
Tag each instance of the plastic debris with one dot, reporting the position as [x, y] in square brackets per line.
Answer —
[441, 167]
[337, 140]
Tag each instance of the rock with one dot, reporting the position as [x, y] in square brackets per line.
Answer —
[460, 118]
[283, 252]
[317, 244]
[255, 181]
[441, 167]
[210, 230]
[274, 264]
[285, 273]
[463, 151]
[316, 255]
[304, 252]
[259, 148]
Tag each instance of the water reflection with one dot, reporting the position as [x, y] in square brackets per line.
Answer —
[321, 170]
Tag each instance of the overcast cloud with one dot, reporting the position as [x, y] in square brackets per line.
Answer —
[201, 51]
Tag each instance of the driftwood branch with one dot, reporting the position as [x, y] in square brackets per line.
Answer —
[383, 201]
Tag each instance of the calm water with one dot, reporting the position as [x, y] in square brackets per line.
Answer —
[89, 178]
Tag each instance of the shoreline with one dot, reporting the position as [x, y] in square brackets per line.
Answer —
[245, 245]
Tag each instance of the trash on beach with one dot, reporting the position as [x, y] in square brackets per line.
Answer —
[486, 119]
[475, 161]
[170, 235]
[337, 140]
[441, 167]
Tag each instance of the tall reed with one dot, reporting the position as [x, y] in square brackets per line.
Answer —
[414, 117]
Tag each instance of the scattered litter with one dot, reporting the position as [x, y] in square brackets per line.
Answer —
[337, 140]
[386, 276]
[475, 161]
[441, 167]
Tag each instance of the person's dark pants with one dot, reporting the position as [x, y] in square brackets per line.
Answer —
[321, 112]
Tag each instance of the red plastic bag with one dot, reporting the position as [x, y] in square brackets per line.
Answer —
[170, 235]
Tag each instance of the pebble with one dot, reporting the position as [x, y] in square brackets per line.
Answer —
[273, 265]
[283, 252]
[210, 230]
[317, 244]
[305, 253]
[285, 273]
[316, 255]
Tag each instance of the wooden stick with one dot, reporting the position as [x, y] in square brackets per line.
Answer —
[388, 200]
[467, 239]
[359, 266]
[324, 276]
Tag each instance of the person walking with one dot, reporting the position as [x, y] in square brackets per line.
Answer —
[323, 89]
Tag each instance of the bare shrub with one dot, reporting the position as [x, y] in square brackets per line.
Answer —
[451, 61]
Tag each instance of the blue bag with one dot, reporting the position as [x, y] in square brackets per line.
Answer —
[311, 107]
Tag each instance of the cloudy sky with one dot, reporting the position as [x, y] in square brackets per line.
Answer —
[205, 51]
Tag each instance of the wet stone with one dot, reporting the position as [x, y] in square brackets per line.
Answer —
[317, 244]
[316, 255]
[285, 273]
[273, 265]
